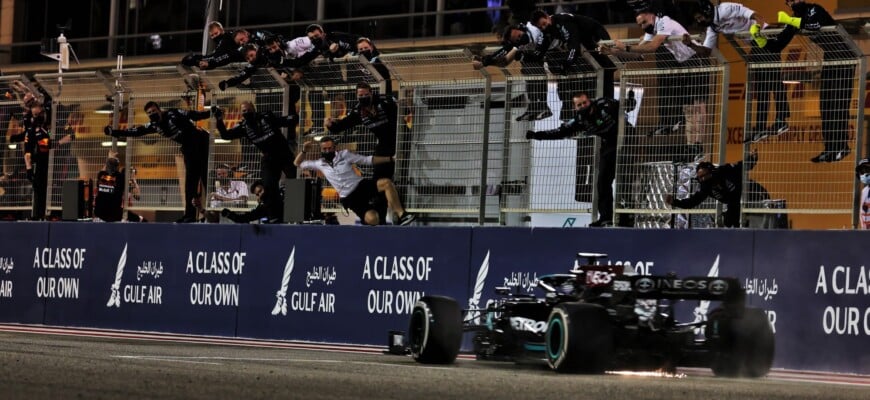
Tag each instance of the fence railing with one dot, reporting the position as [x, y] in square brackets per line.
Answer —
[461, 152]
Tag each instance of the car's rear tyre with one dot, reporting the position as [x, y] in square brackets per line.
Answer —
[435, 332]
[744, 345]
[579, 338]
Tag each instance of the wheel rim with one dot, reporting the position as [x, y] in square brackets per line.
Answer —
[554, 338]
[419, 329]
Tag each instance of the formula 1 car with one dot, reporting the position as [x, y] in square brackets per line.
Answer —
[598, 318]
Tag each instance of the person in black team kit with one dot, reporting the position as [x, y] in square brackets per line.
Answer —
[837, 79]
[37, 144]
[263, 130]
[723, 183]
[597, 117]
[267, 210]
[178, 125]
[577, 32]
[379, 114]
[109, 196]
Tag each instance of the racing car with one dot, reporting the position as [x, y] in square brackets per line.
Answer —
[598, 318]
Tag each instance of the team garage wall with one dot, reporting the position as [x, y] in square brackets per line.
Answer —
[353, 284]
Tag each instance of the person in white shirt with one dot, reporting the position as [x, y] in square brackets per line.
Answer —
[228, 193]
[355, 192]
[863, 172]
[681, 96]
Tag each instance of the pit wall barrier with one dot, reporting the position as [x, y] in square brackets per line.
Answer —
[354, 284]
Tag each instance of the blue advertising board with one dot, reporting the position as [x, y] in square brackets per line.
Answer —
[348, 285]
[151, 277]
[817, 288]
[19, 301]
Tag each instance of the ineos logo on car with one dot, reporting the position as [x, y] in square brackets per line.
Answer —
[718, 287]
[644, 285]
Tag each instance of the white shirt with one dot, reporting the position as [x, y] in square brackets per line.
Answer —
[664, 25]
[298, 46]
[340, 174]
[864, 216]
[235, 191]
[729, 18]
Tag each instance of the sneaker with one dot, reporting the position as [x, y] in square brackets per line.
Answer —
[407, 218]
[831, 156]
[779, 127]
[758, 135]
[601, 223]
[542, 115]
[755, 33]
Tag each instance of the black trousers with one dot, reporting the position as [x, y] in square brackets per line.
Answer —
[834, 99]
[767, 82]
[40, 186]
[732, 215]
[195, 154]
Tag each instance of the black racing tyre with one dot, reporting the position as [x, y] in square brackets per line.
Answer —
[579, 338]
[744, 344]
[435, 332]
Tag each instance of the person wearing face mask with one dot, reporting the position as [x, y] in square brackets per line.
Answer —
[837, 78]
[225, 49]
[37, 145]
[681, 96]
[577, 32]
[177, 125]
[723, 183]
[599, 117]
[263, 130]
[862, 171]
[333, 44]
[730, 18]
[355, 192]
[528, 45]
[366, 48]
[379, 114]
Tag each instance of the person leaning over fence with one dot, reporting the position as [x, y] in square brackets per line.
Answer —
[366, 48]
[681, 96]
[578, 33]
[837, 78]
[528, 45]
[177, 125]
[356, 193]
[379, 114]
[263, 130]
[225, 49]
[599, 117]
[723, 183]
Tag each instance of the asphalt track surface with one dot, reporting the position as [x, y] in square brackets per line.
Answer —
[51, 366]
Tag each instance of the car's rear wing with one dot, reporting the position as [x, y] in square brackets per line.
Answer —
[687, 288]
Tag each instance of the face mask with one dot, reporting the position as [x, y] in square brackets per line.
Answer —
[249, 116]
[865, 178]
[328, 155]
[364, 101]
[317, 42]
[154, 117]
[367, 54]
[651, 29]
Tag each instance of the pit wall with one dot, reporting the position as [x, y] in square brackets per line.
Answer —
[353, 284]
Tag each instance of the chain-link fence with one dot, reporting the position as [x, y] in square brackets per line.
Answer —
[804, 114]
[15, 190]
[445, 128]
[329, 91]
[673, 99]
[235, 164]
[546, 180]
[83, 105]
